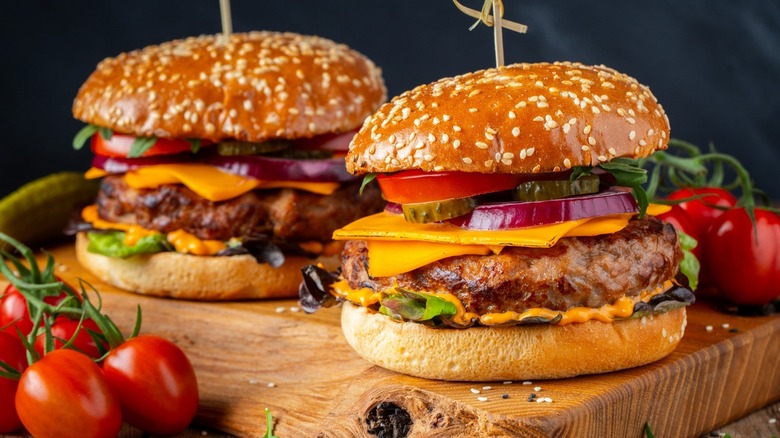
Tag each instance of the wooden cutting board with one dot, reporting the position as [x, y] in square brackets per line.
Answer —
[253, 355]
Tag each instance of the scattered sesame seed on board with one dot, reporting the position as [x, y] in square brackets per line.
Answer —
[537, 388]
[725, 325]
[475, 390]
[482, 399]
[280, 309]
[487, 388]
[527, 383]
[709, 328]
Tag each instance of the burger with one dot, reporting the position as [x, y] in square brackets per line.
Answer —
[222, 163]
[516, 243]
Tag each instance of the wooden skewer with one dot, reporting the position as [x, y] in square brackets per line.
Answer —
[497, 36]
[227, 21]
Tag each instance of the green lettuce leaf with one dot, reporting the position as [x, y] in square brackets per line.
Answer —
[112, 244]
[413, 306]
[689, 266]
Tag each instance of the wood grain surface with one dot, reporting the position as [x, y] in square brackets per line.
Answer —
[253, 355]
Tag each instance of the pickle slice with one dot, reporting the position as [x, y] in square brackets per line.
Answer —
[230, 148]
[556, 189]
[425, 212]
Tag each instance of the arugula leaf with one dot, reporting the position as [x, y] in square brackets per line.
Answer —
[689, 266]
[87, 132]
[112, 244]
[415, 306]
[195, 144]
[141, 145]
[83, 135]
[367, 179]
[628, 173]
[648, 431]
[105, 133]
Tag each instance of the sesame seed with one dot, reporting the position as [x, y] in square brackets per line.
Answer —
[467, 160]
[632, 135]
[527, 383]
[539, 84]
[271, 385]
[521, 104]
[473, 110]
[567, 163]
[536, 169]
[456, 128]
[566, 128]
[587, 129]
[488, 163]
[601, 158]
[540, 400]
[530, 151]
[412, 136]
[390, 139]
[642, 143]
[280, 309]
[725, 325]
[512, 115]
[585, 148]
[481, 145]
[537, 388]
[295, 309]
[523, 154]
[630, 120]
[417, 122]
[572, 121]
[482, 399]
[591, 141]
[446, 117]
[772, 420]
[612, 151]
[487, 388]
[436, 121]
[516, 131]
[445, 138]
[489, 136]
[431, 138]
[508, 382]
[491, 131]
[542, 104]
[456, 144]
[548, 400]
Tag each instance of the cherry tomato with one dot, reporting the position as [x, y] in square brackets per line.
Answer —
[12, 353]
[411, 186]
[66, 395]
[14, 312]
[119, 145]
[328, 142]
[64, 328]
[701, 211]
[682, 222]
[155, 384]
[745, 269]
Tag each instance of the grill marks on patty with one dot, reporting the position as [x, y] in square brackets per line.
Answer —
[577, 271]
[286, 214]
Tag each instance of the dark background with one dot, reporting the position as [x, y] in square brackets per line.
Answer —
[714, 65]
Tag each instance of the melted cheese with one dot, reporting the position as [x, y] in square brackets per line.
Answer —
[396, 246]
[185, 242]
[622, 307]
[208, 181]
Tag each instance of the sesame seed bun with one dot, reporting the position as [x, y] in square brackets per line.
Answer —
[511, 353]
[191, 277]
[257, 86]
[521, 118]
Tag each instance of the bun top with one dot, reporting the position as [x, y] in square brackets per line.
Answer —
[253, 87]
[520, 118]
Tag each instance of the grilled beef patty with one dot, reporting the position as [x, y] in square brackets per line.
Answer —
[577, 271]
[287, 214]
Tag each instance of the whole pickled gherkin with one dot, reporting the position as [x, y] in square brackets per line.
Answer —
[556, 189]
[425, 212]
[41, 209]
[230, 148]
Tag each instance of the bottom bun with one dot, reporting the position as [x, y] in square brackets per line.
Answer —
[511, 353]
[192, 277]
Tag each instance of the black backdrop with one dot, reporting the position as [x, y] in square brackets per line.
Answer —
[714, 65]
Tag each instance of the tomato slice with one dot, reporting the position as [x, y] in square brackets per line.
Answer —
[412, 186]
[119, 145]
